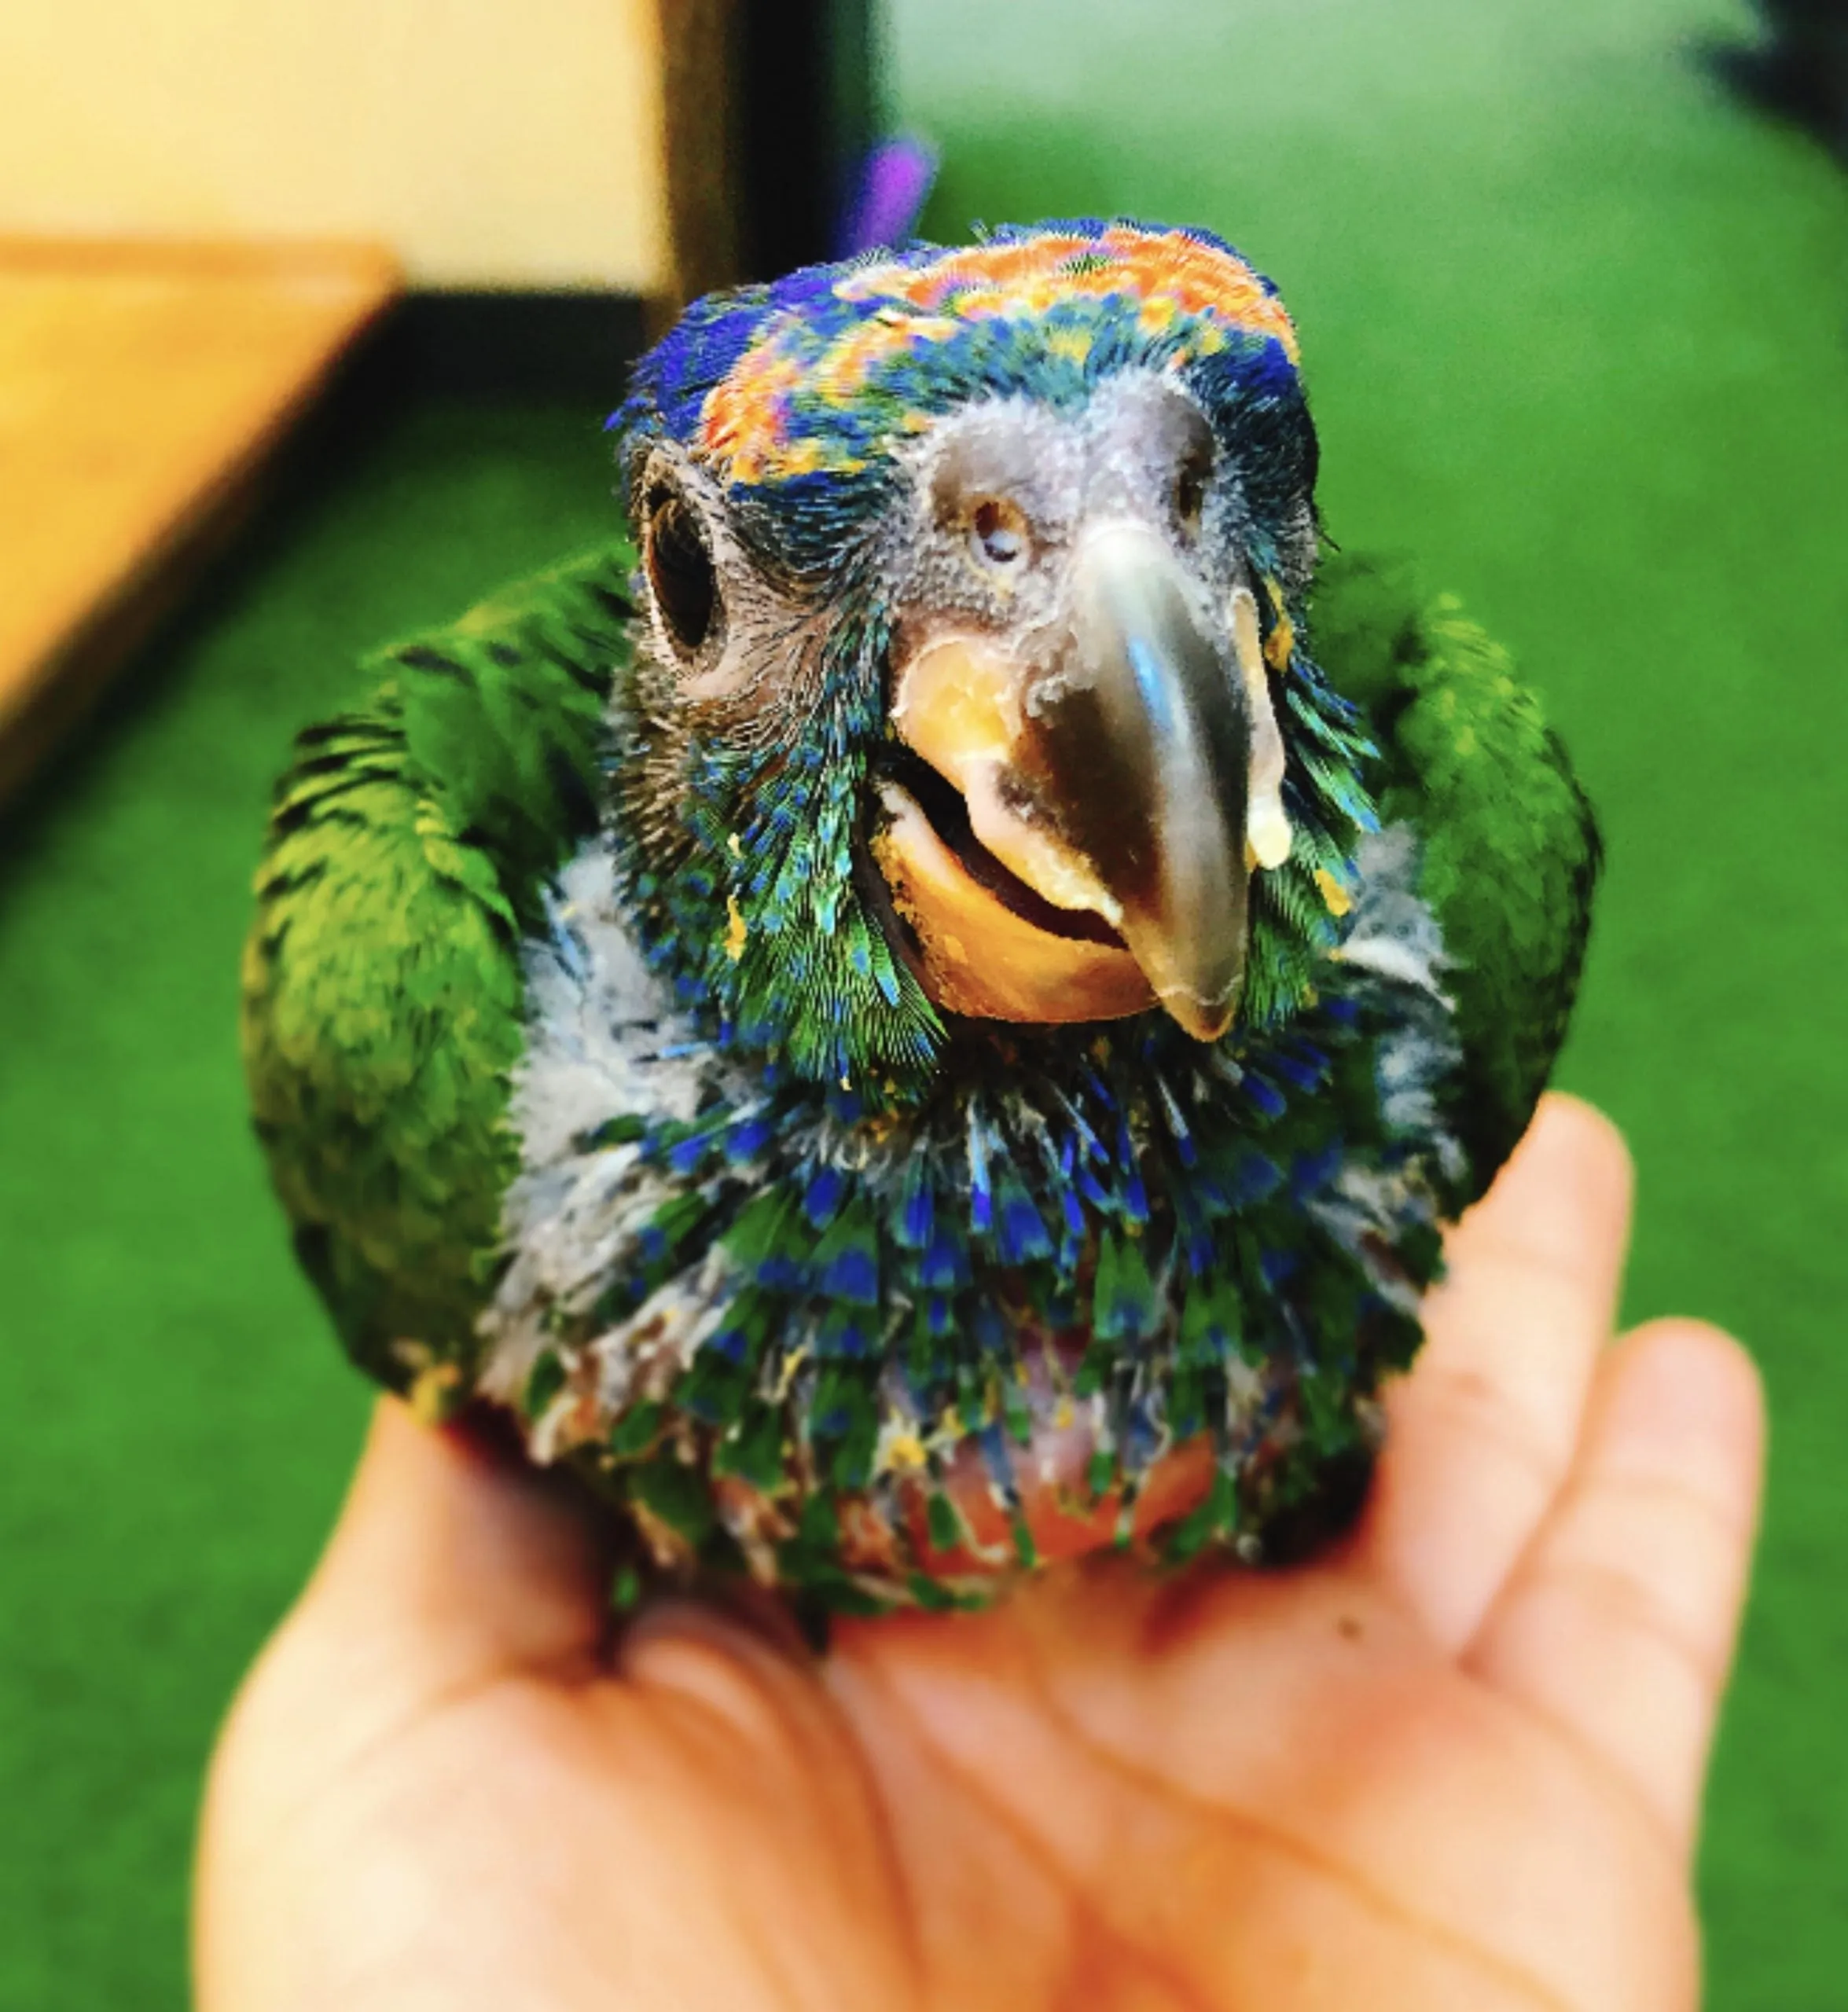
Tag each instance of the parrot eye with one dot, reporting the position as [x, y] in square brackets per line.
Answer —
[680, 571]
[998, 533]
[1190, 489]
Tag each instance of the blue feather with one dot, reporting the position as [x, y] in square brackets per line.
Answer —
[822, 1197]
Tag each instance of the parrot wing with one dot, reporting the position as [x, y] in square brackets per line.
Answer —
[409, 846]
[1509, 848]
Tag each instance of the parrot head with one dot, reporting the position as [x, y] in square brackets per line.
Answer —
[972, 686]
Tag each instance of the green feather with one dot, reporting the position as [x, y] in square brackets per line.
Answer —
[408, 845]
[1510, 847]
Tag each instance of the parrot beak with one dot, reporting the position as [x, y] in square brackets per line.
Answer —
[1070, 834]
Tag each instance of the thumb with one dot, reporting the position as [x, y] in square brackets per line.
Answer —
[449, 1568]
[449, 1550]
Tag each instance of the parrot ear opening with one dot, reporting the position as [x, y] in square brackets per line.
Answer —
[682, 579]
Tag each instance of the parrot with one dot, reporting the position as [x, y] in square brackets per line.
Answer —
[925, 1005]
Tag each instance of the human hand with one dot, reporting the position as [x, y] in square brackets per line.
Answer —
[1455, 1763]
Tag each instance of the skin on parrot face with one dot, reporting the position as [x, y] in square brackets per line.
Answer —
[1082, 764]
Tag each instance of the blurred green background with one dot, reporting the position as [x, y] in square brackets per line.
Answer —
[1577, 330]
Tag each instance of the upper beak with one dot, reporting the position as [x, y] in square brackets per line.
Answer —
[1134, 772]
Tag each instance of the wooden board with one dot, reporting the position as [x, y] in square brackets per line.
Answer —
[140, 385]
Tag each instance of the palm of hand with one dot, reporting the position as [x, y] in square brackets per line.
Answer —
[1456, 1764]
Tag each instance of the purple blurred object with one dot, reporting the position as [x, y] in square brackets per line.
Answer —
[889, 196]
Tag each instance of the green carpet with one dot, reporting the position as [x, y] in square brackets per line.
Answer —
[1577, 333]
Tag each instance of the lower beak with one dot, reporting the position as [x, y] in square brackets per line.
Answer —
[1113, 799]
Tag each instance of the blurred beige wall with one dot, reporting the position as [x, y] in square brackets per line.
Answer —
[509, 142]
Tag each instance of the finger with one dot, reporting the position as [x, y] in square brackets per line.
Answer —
[1618, 1625]
[1480, 1436]
[447, 1542]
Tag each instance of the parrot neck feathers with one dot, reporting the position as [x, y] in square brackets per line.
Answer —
[678, 1197]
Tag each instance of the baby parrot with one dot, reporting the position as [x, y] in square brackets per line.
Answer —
[928, 1011]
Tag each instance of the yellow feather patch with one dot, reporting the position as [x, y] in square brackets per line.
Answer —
[905, 1452]
[435, 1392]
[1335, 897]
[1282, 639]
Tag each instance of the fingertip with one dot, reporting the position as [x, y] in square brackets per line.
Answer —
[396, 1458]
[395, 1437]
[1683, 1385]
[446, 1528]
[1714, 1367]
[411, 1472]
[1563, 1202]
[1570, 1139]
[1594, 1130]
